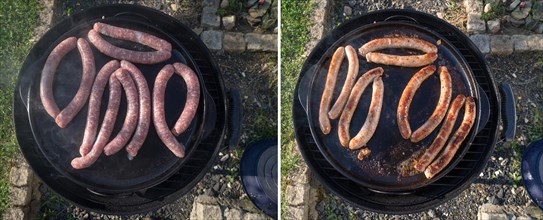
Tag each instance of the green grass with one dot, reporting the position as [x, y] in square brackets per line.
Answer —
[235, 7]
[18, 18]
[294, 29]
[498, 11]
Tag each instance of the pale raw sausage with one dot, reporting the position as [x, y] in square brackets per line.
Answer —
[132, 112]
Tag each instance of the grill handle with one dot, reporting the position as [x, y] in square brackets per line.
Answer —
[235, 113]
[402, 18]
[509, 112]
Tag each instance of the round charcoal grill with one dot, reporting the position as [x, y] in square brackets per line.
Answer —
[465, 167]
[115, 184]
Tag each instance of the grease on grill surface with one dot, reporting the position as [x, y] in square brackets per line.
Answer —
[407, 166]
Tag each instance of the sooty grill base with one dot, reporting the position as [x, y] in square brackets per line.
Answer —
[442, 190]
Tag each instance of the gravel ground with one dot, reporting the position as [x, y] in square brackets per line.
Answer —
[253, 74]
[499, 182]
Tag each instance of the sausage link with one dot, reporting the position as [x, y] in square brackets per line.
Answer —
[352, 73]
[333, 69]
[48, 74]
[352, 103]
[107, 126]
[443, 134]
[144, 112]
[407, 96]
[125, 54]
[93, 114]
[132, 112]
[372, 120]
[159, 115]
[440, 110]
[132, 35]
[193, 97]
[405, 61]
[397, 42]
[80, 98]
[456, 140]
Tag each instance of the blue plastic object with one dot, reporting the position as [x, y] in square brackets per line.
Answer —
[532, 170]
[259, 172]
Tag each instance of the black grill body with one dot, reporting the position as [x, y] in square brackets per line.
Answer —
[181, 181]
[440, 191]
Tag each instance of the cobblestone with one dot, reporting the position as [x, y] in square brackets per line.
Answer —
[482, 41]
[263, 42]
[501, 44]
[212, 39]
[234, 42]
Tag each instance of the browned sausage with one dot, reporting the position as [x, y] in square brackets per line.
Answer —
[193, 97]
[93, 114]
[145, 109]
[132, 112]
[159, 116]
[48, 74]
[405, 61]
[80, 98]
[440, 110]
[456, 140]
[107, 126]
[335, 63]
[372, 120]
[352, 73]
[132, 35]
[125, 54]
[368, 49]
[363, 153]
[352, 103]
[397, 42]
[443, 134]
[407, 96]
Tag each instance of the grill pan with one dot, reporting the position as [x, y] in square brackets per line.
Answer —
[114, 173]
[171, 177]
[380, 171]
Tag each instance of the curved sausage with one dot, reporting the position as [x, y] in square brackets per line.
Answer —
[335, 63]
[107, 126]
[352, 73]
[131, 119]
[193, 97]
[159, 116]
[405, 61]
[456, 140]
[144, 112]
[80, 98]
[407, 96]
[93, 114]
[372, 120]
[132, 35]
[352, 103]
[125, 54]
[440, 110]
[368, 49]
[443, 134]
[48, 74]
[397, 42]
